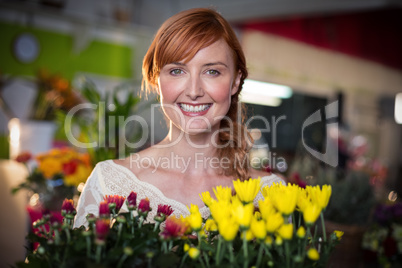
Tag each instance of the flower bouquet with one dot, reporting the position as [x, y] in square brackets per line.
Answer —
[382, 241]
[57, 174]
[281, 232]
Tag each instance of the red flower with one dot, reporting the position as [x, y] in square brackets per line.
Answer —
[68, 207]
[115, 199]
[102, 228]
[23, 157]
[70, 167]
[55, 221]
[132, 200]
[144, 206]
[104, 210]
[164, 210]
[174, 227]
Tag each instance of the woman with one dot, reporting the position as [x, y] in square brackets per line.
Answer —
[196, 65]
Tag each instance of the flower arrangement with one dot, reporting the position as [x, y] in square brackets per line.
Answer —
[383, 239]
[58, 173]
[54, 93]
[282, 232]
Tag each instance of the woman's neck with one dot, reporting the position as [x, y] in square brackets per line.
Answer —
[198, 152]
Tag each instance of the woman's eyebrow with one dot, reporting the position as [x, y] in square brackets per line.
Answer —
[216, 63]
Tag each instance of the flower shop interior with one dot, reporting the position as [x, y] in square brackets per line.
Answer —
[325, 82]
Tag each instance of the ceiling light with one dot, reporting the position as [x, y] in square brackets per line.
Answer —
[263, 93]
[398, 108]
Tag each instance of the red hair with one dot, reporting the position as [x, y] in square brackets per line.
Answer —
[180, 38]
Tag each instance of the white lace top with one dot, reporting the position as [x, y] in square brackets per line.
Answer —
[109, 178]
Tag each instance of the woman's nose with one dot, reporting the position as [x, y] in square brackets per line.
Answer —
[194, 88]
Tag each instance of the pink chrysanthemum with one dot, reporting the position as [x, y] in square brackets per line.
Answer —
[144, 206]
[174, 227]
[102, 228]
[132, 200]
[67, 207]
[104, 210]
[164, 210]
[115, 199]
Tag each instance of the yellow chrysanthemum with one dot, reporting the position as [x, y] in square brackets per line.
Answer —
[274, 222]
[320, 196]
[339, 234]
[186, 247]
[286, 231]
[247, 190]
[206, 198]
[311, 213]
[195, 221]
[194, 253]
[313, 254]
[266, 208]
[278, 241]
[242, 213]
[228, 229]
[303, 199]
[249, 235]
[268, 240]
[223, 193]
[193, 209]
[283, 197]
[258, 229]
[220, 211]
[211, 226]
[301, 232]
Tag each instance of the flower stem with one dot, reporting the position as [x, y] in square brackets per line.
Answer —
[231, 257]
[183, 260]
[218, 252]
[260, 251]
[88, 246]
[324, 234]
[245, 250]
[119, 229]
[156, 226]
[121, 261]
[98, 253]
[287, 252]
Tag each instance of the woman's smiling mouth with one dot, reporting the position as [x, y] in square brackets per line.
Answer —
[192, 109]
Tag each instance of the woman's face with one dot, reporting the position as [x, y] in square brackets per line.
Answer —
[195, 95]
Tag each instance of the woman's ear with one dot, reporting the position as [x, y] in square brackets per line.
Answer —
[236, 83]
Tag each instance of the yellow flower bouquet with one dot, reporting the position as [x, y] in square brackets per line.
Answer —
[281, 232]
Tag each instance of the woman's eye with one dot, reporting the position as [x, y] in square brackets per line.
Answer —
[213, 72]
[176, 71]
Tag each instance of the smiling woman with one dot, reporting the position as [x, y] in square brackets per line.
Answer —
[197, 67]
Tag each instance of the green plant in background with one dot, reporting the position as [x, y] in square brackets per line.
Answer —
[103, 122]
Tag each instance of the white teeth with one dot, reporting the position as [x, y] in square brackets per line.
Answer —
[192, 108]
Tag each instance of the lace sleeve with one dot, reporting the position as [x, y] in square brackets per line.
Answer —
[90, 198]
[267, 181]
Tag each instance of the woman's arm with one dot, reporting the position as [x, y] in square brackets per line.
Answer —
[90, 198]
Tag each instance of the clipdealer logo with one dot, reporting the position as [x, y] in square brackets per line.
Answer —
[330, 156]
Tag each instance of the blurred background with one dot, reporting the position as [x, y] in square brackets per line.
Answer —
[303, 56]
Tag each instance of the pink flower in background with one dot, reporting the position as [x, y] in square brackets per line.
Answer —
[132, 200]
[104, 210]
[102, 228]
[23, 157]
[67, 207]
